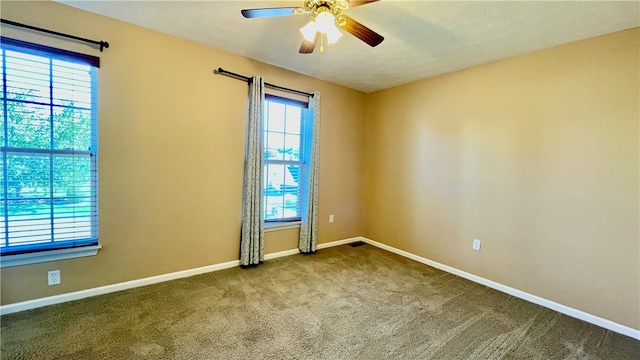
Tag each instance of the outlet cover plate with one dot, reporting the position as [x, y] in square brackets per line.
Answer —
[476, 244]
[53, 277]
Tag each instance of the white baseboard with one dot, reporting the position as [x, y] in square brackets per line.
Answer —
[280, 254]
[339, 242]
[578, 314]
[76, 295]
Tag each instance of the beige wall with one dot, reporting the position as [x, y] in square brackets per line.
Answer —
[537, 156]
[171, 152]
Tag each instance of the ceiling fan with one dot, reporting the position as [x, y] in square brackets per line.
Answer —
[327, 18]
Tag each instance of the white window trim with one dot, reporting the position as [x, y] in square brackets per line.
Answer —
[275, 226]
[302, 162]
[49, 255]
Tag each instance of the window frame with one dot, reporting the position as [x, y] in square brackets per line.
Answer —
[62, 249]
[306, 117]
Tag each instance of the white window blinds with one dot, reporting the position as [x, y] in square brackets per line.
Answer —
[48, 138]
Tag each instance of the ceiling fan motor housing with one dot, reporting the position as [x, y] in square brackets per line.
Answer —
[314, 7]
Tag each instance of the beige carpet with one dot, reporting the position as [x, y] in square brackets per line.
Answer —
[341, 303]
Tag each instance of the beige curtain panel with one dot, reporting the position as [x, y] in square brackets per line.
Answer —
[252, 241]
[309, 224]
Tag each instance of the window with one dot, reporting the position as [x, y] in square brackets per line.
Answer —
[48, 137]
[286, 131]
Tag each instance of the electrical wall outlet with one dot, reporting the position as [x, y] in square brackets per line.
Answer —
[476, 244]
[53, 277]
[330, 218]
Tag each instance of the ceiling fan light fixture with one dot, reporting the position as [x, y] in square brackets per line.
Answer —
[309, 31]
[333, 35]
[326, 22]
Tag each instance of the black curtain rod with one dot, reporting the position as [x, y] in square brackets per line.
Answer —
[222, 71]
[102, 44]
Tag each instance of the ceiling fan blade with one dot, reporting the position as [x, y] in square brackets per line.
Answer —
[362, 32]
[307, 47]
[268, 12]
[354, 3]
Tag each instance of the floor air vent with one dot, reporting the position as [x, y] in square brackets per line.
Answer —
[357, 243]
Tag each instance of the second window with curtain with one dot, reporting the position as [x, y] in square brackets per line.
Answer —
[287, 132]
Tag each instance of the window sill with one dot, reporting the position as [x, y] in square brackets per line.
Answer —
[281, 226]
[46, 256]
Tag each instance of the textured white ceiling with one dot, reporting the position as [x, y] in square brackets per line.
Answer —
[422, 38]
